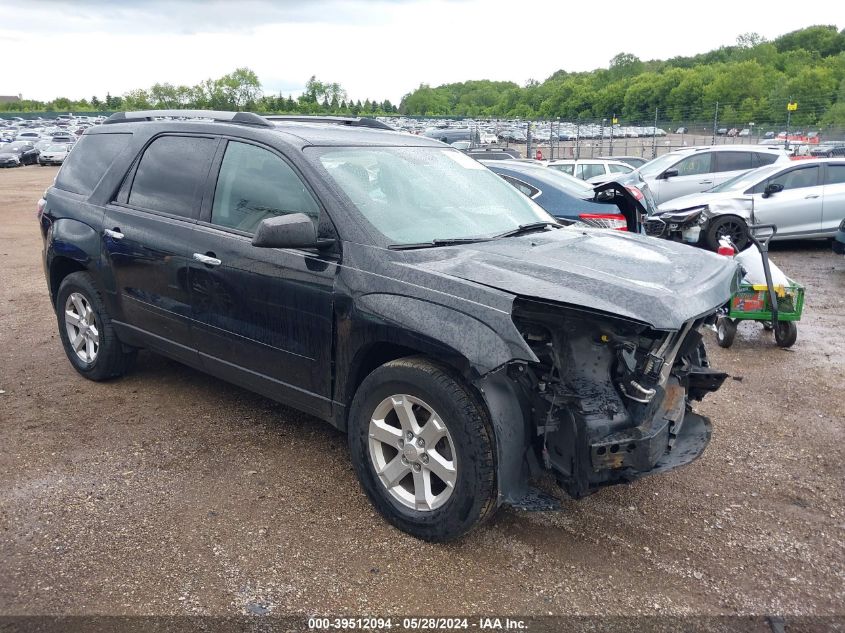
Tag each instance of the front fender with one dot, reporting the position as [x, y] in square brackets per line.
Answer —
[484, 348]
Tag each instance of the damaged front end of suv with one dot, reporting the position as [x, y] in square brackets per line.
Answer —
[609, 399]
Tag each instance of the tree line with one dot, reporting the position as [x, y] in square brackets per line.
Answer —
[750, 81]
[238, 90]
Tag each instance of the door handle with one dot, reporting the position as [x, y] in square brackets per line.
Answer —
[812, 195]
[208, 260]
[114, 233]
[705, 182]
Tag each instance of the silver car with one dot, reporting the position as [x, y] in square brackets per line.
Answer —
[54, 154]
[697, 169]
[804, 199]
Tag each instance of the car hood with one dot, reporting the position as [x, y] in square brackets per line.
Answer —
[698, 200]
[658, 282]
[9, 155]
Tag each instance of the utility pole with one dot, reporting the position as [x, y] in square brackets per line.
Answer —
[715, 123]
[789, 108]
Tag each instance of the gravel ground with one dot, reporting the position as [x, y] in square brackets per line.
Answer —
[170, 492]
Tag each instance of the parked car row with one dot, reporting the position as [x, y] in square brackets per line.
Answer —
[40, 141]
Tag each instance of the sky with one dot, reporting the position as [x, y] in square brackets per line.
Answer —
[377, 49]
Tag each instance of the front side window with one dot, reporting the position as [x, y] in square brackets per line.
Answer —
[420, 194]
[171, 175]
[695, 165]
[255, 184]
[798, 178]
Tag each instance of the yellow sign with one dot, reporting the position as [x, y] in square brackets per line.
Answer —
[615, 120]
[792, 106]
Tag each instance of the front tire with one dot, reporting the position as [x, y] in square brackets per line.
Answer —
[730, 226]
[423, 449]
[86, 330]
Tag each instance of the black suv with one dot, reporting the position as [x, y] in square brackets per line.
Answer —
[394, 287]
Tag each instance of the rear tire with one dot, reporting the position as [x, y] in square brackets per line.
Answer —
[404, 396]
[725, 331]
[86, 330]
[786, 333]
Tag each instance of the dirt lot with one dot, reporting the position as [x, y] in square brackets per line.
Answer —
[170, 492]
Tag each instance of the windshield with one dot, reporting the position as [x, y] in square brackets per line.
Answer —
[745, 180]
[659, 165]
[415, 195]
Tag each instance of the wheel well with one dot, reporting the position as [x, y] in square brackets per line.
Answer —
[377, 355]
[60, 268]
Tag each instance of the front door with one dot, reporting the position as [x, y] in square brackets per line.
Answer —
[833, 211]
[797, 209]
[263, 317]
[694, 175]
[145, 237]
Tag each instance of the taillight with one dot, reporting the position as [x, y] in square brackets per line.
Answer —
[615, 221]
[635, 192]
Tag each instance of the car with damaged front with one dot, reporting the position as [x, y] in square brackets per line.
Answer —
[462, 338]
[803, 199]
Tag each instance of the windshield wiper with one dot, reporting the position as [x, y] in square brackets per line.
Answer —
[439, 242]
[522, 229]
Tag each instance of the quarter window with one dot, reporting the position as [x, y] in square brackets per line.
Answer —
[525, 188]
[171, 175]
[765, 159]
[255, 184]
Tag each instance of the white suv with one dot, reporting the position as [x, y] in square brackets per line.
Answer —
[697, 169]
[590, 168]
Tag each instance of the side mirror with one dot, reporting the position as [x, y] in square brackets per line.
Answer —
[772, 189]
[669, 173]
[295, 230]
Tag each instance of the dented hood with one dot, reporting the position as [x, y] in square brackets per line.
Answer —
[657, 282]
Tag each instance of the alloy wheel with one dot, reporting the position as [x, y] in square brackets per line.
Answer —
[81, 327]
[412, 452]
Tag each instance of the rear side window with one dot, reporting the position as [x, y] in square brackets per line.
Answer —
[171, 175]
[91, 157]
[619, 169]
[585, 171]
[835, 175]
[567, 168]
[733, 161]
[524, 187]
[764, 159]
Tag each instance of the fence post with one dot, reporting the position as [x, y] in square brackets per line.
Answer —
[654, 136]
[715, 123]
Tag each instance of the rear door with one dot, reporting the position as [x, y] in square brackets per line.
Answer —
[797, 210]
[833, 205]
[694, 176]
[263, 317]
[146, 233]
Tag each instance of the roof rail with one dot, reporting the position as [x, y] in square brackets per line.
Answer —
[247, 118]
[337, 120]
